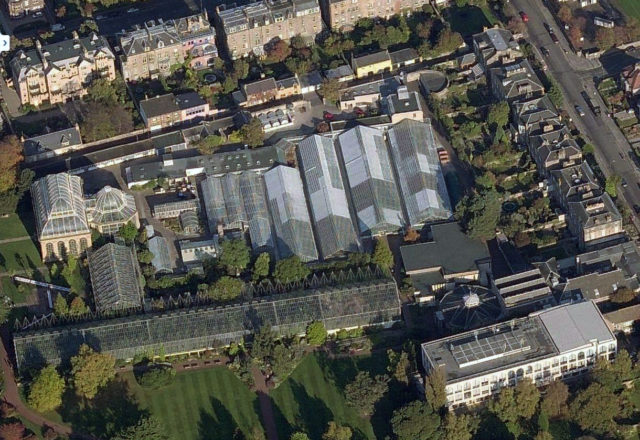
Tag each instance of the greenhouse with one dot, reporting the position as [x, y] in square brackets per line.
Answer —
[110, 209]
[358, 303]
[288, 207]
[372, 185]
[319, 166]
[422, 185]
[115, 277]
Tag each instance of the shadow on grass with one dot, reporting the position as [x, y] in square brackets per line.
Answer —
[468, 20]
[112, 410]
[219, 425]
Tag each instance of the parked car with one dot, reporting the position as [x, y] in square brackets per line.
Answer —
[624, 183]
[131, 10]
[555, 39]
[37, 14]
[579, 110]
[524, 16]
[544, 51]
[328, 116]
[636, 208]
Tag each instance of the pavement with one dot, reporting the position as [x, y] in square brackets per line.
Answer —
[612, 150]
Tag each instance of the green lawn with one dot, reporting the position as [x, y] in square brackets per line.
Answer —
[21, 255]
[201, 405]
[630, 7]
[312, 396]
[470, 19]
[12, 227]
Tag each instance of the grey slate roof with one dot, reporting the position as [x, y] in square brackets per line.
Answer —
[626, 314]
[52, 141]
[403, 55]
[372, 58]
[114, 278]
[189, 100]
[160, 105]
[451, 249]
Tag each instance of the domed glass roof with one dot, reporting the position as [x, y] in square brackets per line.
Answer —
[111, 206]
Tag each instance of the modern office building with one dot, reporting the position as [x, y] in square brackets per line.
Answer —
[288, 208]
[335, 231]
[61, 220]
[372, 185]
[554, 344]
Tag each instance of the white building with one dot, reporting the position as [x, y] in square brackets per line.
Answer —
[557, 343]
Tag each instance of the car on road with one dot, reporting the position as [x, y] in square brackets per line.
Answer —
[37, 14]
[554, 38]
[636, 208]
[544, 51]
[579, 110]
[624, 183]
[131, 10]
[524, 16]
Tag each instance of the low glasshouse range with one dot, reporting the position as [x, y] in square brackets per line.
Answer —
[343, 300]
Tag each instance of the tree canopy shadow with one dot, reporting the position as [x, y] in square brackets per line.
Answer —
[218, 425]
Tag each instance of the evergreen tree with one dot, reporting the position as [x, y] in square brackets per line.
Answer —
[382, 255]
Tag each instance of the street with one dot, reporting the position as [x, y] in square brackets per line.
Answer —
[613, 151]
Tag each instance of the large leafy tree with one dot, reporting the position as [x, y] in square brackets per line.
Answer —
[554, 402]
[290, 270]
[330, 90]
[12, 431]
[399, 366]
[595, 408]
[45, 393]
[147, 428]
[498, 114]
[226, 289]
[415, 420]
[128, 232]
[234, 256]
[382, 255]
[365, 391]
[527, 397]
[337, 432]
[10, 159]
[434, 388]
[261, 267]
[459, 427]
[252, 133]
[480, 213]
[316, 333]
[91, 371]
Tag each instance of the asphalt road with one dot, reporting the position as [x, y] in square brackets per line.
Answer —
[613, 152]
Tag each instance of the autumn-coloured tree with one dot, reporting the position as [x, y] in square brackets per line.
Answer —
[12, 431]
[61, 11]
[278, 51]
[575, 35]
[7, 410]
[564, 14]
[605, 37]
[516, 26]
[10, 158]
[411, 235]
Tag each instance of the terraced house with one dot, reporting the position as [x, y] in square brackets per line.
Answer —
[61, 71]
[150, 50]
[249, 28]
[343, 14]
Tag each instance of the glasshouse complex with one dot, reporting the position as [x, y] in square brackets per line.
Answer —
[358, 303]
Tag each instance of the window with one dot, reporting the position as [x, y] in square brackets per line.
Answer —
[73, 247]
[62, 251]
[49, 250]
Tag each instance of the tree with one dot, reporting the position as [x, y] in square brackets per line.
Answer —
[543, 421]
[605, 38]
[264, 342]
[526, 397]
[235, 256]
[10, 159]
[102, 90]
[78, 307]
[45, 392]
[382, 255]
[564, 14]
[316, 333]
[240, 69]
[575, 35]
[498, 114]
[12, 431]
[623, 295]
[459, 427]
[337, 432]
[91, 371]
[365, 391]
[434, 388]
[147, 428]
[554, 402]
[480, 213]
[299, 436]
[330, 90]
[60, 306]
[145, 256]
[209, 144]
[554, 93]
[415, 420]
[543, 435]
[595, 408]
[290, 270]
[399, 366]
[100, 121]
[516, 26]
[61, 11]
[261, 267]
[588, 149]
[156, 376]
[612, 375]
[504, 406]
[411, 235]
[73, 277]
[252, 133]
[128, 232]
[226, 289]
[278, 51]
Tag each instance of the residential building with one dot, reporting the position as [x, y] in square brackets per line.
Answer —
[495, 47]
[554, 149]
[341, 73]
[404, 57]
[368, 94]
[630, 78]
[310, 82]
[468, 307]
[595, 286]
[161, 257]
[110, 209]
[288, 208]
[342, 15]
[532, 115]
[372, 185]
[371, 64]
[422, 186]
[595, 221]
[61, 220]
[51, 144]
[515, 82]
[57, 72]
[574, 183]
[319, 166]
[623, 320]
[604, 22]
[259, 92]
[115, 278]
[523, 292]
[19, 8]
[169, 110]
[403, 105]
[554, 344]
[177, 167]
[449, 258]
[249, 28]
[149, 51]
[237, 201]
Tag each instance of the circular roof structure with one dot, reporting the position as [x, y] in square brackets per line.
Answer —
[434, 81]
[468, 307]
[112, 205]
